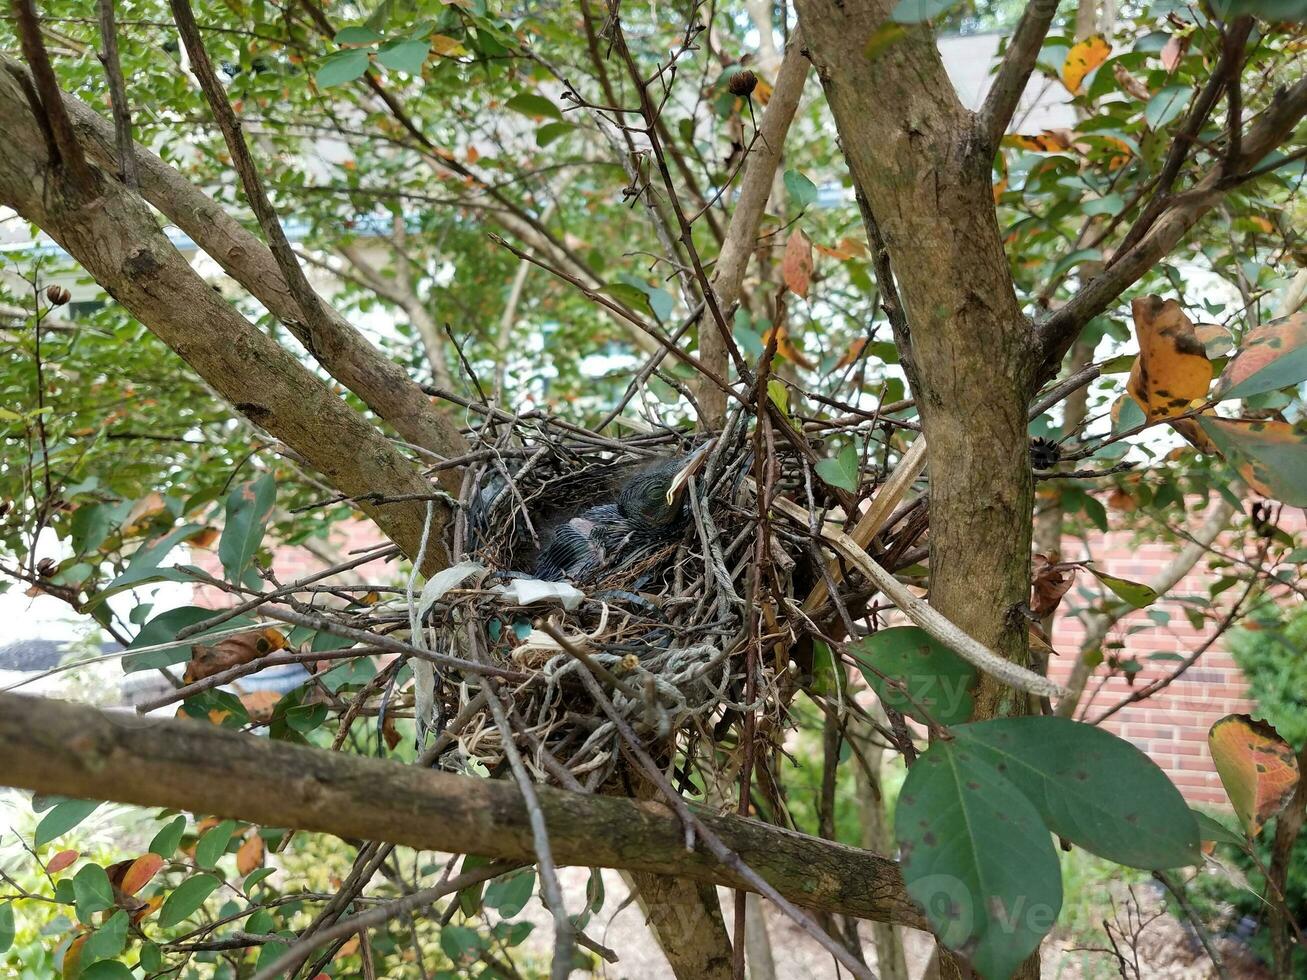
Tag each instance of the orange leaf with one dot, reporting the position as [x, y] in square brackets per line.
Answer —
[250, 854]
[446, 47]
[232, 651]
[1049, 141]
[785, 347]
[351, 947]
[61, 861]
[260, 704]
[1172, 370]
[796, 266]
[73, 956]
[204, 538]
[140, 872]
[144, 509]
[853, 353]
[1257, 768]
[149, 908]
[1083, 58]
[1195, 436]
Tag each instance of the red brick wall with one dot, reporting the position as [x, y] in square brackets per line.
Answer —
[1171, 726]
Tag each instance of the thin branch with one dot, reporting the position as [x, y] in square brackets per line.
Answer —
[1014, 71]
[122, 110]
[925, 616]
[59, 126]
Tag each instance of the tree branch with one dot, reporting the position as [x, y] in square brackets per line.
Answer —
[116, 238]
[1275, 124]
[122, 111]
[58, 128]
[1014, 72]
[57, 747]
[384, 386]
[751, 201]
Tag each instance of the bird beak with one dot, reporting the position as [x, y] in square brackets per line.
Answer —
[692, 466]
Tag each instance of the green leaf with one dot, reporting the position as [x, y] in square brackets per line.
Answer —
[1091, 787]
[90, 526]
[144, 567]
[844, 471]
[256, 876]
[938, 682]
[1271, 356]
[1214, 830]
[186, 898]
[1111, 204]
[356, 34]
[150, 959]
[801, 190]
[550, 132]
[534, 105]
[1074, 259]
[509, 894]
[406, 56]
[342, 67]
[1166, 105]
[63, 818]
[107, 970]
[1271, 11]
[461, 944]
[107, 941]
[213, 844]
[1270, 455]
[91, 891]
[1135, 593]
[249, 505]
[167, 840]
[915, 11]
[977, 858]
[7, 927]
[825, 680]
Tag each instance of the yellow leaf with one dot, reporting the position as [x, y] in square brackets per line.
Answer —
[1083, 58]
[1172, 370]
[446, 47]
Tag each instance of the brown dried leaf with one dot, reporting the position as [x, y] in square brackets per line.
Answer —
[231, 652]
[1131, 85]
[1049, 583]
[796, 266]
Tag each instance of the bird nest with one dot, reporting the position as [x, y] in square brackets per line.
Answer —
[638, 627]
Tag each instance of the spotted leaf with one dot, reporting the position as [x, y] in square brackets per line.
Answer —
[1270, 456]
[1257, 768]
[1172, 370]
[1273, 355]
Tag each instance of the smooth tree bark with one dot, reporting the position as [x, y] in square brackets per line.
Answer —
[70, 749]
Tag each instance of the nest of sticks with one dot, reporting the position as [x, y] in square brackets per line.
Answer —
[655, 643]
